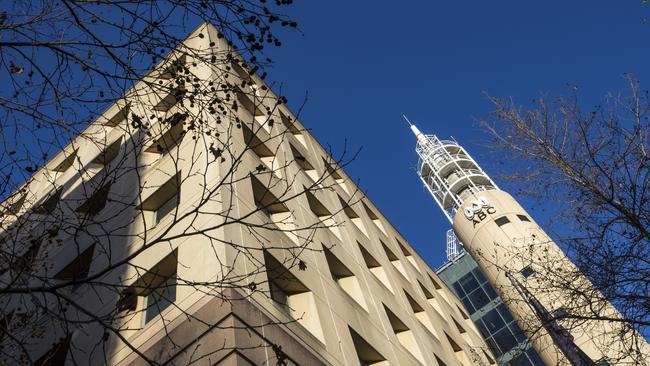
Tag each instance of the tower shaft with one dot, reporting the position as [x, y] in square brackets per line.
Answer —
[502, 238]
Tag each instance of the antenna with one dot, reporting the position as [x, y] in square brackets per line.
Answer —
[407, 120]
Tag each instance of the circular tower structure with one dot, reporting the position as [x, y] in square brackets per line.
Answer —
[513, 252]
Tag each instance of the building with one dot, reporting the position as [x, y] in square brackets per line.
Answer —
[523, 264]
[506, 340]
[197, 221]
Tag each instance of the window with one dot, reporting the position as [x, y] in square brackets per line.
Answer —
[560, 313]
[375, 219]
[421, 315]
[408, 255]
[267, 203]
[56, 355]
[352, 216]
[375, 267]
[527, 271]
[460, 354]
[333, 172]
[324, 215]
[251, 107]
[77, 269]
[501, 220]
[118, 117]
[440, 363]
[16, 203]
[24, 262]
[163, 201]
[157, 288]
[50, 203]
[109, 153]
[367, 354]
[165, 209]
[304, 164]
[295, 299]
[172, 97]
[168, 134]
[404, 335]
[344, 278]
[493, 321]
[160, 298]
[394, 260]
[66, 162]
[523, 218]
[97, 200]
[256, 145]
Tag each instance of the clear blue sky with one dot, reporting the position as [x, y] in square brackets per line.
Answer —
[363, 64]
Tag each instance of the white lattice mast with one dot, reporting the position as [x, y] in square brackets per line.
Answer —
[448, 171]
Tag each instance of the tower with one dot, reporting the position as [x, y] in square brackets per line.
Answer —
[510, 248]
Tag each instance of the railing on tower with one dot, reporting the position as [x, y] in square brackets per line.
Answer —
[448, 171]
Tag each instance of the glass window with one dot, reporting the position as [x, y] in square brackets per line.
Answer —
[165, 209]
[493, 321]
[523, 218]
[468, 282]
[468, 305]
[492, 294]
[479, 298]
[458, 289]
[278, 295]
[534, 357]
[505, 340]
[160, 298]
[519, 334]
[493, 347]
[527, 271]
[507, 316]
[502, 221]
[479, 275]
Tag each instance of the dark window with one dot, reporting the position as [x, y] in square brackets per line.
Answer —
[160, 298]
[458, 289]
[493, 321]
[507, 316]
[468, 305]
[469, 283]
[479, 298]
[479, 275]
[560, 313]
[505, 340]
[492, 294]
[493, 347]
[536, 359]
[527, 271]
[523, 218]
[519, 334]
[502, 220]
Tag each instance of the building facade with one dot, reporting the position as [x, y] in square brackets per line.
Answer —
[197, 221]
[506, 340]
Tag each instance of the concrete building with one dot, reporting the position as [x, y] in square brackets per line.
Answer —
[527, 269]
[506, 340]
[180, 231]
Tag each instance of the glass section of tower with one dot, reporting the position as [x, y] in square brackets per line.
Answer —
[488, 312]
